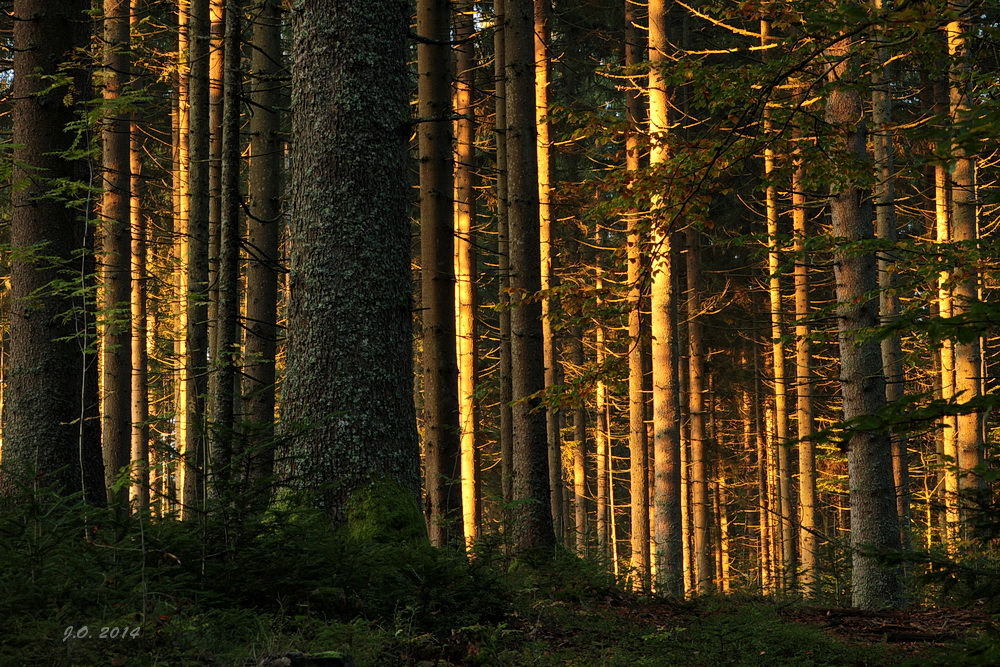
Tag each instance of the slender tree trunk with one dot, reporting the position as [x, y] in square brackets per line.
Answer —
[116, 344]
[442, 435]
[809, 577]
[639, 464]
[465, 267]
[579, 455]
[543, 66]
[696, 403]
[216, 75]
[874, 523]
[603, 446]
[140, 488]
[663, 328]
[503, 252]
[885, 213]
[227, 332]
[264, 220]
[970, 439]
[194, 452]
[531, 465]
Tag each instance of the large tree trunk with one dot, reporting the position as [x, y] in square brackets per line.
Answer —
[663, 327]
[349, 417]
[442, 437]
[874, 524]
[47, 398]
[533, 527]
[116, 344]
[696, 404]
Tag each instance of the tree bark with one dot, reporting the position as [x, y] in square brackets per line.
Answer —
[534, 528]
[48, 439]
[874, 524]
[442, 436]
[349, 417]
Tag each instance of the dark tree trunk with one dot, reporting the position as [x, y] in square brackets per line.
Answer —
[348, 394]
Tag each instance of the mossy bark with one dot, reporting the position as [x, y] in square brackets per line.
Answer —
[349, 418]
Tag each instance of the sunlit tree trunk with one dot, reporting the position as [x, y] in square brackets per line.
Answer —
[602, 443]
[116, 344]
[885, 213]
[965, 230]
[874, 523]
[193, 454]
[579, 454]
[140, 492]
[543, 66]
[48, 394]
[442, 437]
[465, 266]
[696, 405]
[264, 219]
[809, 577]
[638, 463]
[663, 328]
[531, 466]
[787, 532]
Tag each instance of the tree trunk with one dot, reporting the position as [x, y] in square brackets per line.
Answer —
[47, 397]
[531, 466]
[696, 403]
[264, 221]
[348, 412]
[465, 267]
[116, 338]
[638, 463]
[442, 437]
[874, 524]
[194, 452]
[663, 328]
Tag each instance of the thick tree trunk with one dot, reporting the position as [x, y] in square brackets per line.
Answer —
[48, 398]
[349, 418]
[874, 524]
[442, 435]
[533, 527]
[663, 327]
[116, 343]
[465, 267]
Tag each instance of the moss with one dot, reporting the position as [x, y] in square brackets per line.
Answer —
[384, 512]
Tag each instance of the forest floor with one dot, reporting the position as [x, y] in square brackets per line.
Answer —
[624, 630]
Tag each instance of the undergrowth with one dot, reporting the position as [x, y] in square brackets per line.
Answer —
[80, 587]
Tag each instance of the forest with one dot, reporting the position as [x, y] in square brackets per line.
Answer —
[528, 332]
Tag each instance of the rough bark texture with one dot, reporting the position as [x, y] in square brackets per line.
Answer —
[264, 220]
[465, 266]
[533, 528]
[48, 398]
[874, 524]
[116, 347]
[348, 394]
[442, 437]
